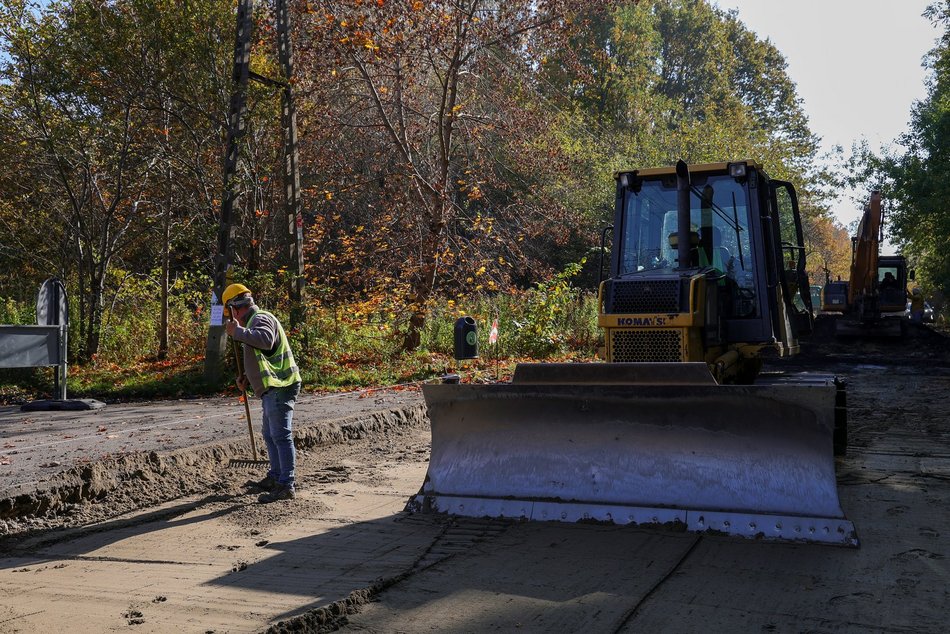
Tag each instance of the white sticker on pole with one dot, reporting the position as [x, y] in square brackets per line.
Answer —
[217, 310]
[217, 315]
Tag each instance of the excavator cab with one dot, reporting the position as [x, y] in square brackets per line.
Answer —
[678, 427]
[892, 283]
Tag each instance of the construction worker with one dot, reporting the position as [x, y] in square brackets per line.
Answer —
[270, 370]
[917, 305]
[721, 258]
[889, 281]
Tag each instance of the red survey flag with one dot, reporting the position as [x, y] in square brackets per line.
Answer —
[493, 335]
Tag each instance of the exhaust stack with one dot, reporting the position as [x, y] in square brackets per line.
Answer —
[682, 215]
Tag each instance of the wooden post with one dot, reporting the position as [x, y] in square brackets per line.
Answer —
[217, 337]
[285, 55]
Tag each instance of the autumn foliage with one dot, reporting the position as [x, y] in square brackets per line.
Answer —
[454, 153]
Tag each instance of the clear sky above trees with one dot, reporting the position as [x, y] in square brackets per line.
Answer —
[857, 65]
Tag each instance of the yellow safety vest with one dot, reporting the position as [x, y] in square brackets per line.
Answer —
[277, 365]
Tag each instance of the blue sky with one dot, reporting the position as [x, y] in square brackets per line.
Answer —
[857, 65]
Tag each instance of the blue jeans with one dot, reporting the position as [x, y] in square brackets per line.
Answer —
[278, 405]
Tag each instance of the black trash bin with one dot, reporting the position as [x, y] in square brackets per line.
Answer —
[466, 338]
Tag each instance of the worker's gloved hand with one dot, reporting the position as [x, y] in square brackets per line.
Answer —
[230, 325]
[243, 383]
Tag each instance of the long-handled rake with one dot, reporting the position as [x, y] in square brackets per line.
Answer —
[253, 462]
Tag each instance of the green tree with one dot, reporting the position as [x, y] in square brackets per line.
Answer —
[116, 110]
[665, 79]
[916, 183]
[68, 104]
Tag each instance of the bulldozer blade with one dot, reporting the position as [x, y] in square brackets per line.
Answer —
[754, 461]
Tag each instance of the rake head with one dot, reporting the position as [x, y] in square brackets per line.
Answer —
[237, 463]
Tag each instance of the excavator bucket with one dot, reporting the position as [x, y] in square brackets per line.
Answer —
[639, 443]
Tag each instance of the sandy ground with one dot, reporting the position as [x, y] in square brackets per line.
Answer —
[345, 556]
[223, 562]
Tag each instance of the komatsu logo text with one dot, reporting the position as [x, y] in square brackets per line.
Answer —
[641, 321]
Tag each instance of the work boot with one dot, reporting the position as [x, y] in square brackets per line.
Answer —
[266, 484]
[280, 492]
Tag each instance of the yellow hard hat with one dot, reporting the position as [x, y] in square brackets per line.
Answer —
[233, 291]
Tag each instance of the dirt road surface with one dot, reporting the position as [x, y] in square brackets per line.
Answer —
[200, 555]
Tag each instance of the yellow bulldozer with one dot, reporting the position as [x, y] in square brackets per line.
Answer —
[679, 427]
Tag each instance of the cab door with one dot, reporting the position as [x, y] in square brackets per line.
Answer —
[792, 268]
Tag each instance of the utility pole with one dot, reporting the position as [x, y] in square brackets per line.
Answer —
[237, 113]
[288, 115]
[237, 127]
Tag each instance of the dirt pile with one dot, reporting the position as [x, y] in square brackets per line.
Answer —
[107, 488]
[919, 343]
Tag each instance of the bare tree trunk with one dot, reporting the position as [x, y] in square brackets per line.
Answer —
[423, 284]
[96, 293]
[216, 344]
[166, 262]
[288, 116]
[81, 283]
[423, 281]
[166, 246]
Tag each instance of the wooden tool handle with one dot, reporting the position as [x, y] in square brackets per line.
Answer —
[247, 407]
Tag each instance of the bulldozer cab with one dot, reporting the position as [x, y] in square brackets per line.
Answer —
[744, 241]
[719, 238]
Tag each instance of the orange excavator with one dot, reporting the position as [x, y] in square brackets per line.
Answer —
[877, 290]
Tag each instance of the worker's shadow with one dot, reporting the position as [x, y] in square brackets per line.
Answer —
[40, 546]
[327, 566]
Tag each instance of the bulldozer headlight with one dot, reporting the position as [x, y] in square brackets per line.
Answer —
[630, 181]
[737, 170]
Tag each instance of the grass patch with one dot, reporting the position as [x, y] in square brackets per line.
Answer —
[338, 349]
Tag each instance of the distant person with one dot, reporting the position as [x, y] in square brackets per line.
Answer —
[270, 370]
[917, 305]
[889, 281]
[722, 260]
